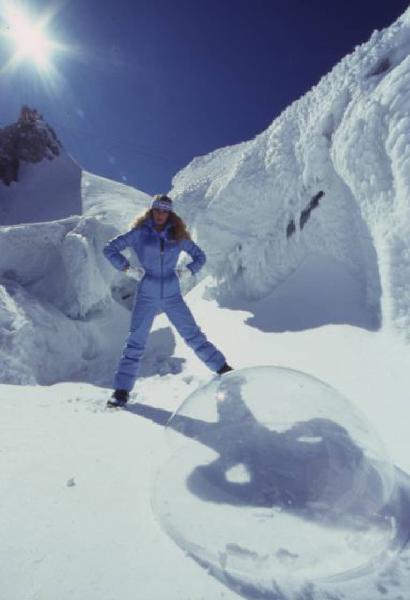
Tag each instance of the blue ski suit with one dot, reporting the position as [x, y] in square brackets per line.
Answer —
[158, 291]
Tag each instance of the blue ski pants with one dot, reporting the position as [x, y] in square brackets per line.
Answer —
[144, 311]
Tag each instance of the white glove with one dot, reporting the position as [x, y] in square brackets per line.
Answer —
[183, 273]
[136, 272]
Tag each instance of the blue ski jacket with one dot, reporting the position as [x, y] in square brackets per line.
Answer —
[158, 253]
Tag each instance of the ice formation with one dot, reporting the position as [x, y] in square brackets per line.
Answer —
[348, 137]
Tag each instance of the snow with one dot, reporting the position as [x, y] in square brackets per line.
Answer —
[62, 540]
[331, 301]
[59, 297]
[257, 418]
[347, 137]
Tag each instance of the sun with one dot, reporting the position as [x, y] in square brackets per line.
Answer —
[30, 40]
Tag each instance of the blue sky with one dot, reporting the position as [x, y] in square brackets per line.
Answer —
[147, 85]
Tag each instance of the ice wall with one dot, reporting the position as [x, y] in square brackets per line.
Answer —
[348, 137]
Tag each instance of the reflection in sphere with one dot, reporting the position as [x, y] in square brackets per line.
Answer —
[274, 477]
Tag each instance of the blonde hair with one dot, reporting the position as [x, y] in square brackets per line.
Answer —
[179, 230]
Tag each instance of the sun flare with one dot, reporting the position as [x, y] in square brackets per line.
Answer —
[28, 38]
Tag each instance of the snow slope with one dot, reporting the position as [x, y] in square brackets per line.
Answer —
[45, 191]
[76, 519]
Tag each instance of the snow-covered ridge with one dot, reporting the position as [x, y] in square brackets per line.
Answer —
[350, 138]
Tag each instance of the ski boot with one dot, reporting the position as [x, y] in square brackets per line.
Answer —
[118, 399]
[224, 369]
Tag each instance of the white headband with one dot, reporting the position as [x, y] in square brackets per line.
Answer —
[162, 205]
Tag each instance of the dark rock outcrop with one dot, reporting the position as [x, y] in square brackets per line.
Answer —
[30, 139]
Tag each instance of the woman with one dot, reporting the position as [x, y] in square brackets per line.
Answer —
[157, 238]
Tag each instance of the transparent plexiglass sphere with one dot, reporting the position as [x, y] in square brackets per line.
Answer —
[273, 476]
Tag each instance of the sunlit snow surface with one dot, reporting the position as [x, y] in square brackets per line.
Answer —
[276, 479]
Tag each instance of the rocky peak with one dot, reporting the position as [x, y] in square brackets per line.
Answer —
[30, 139]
